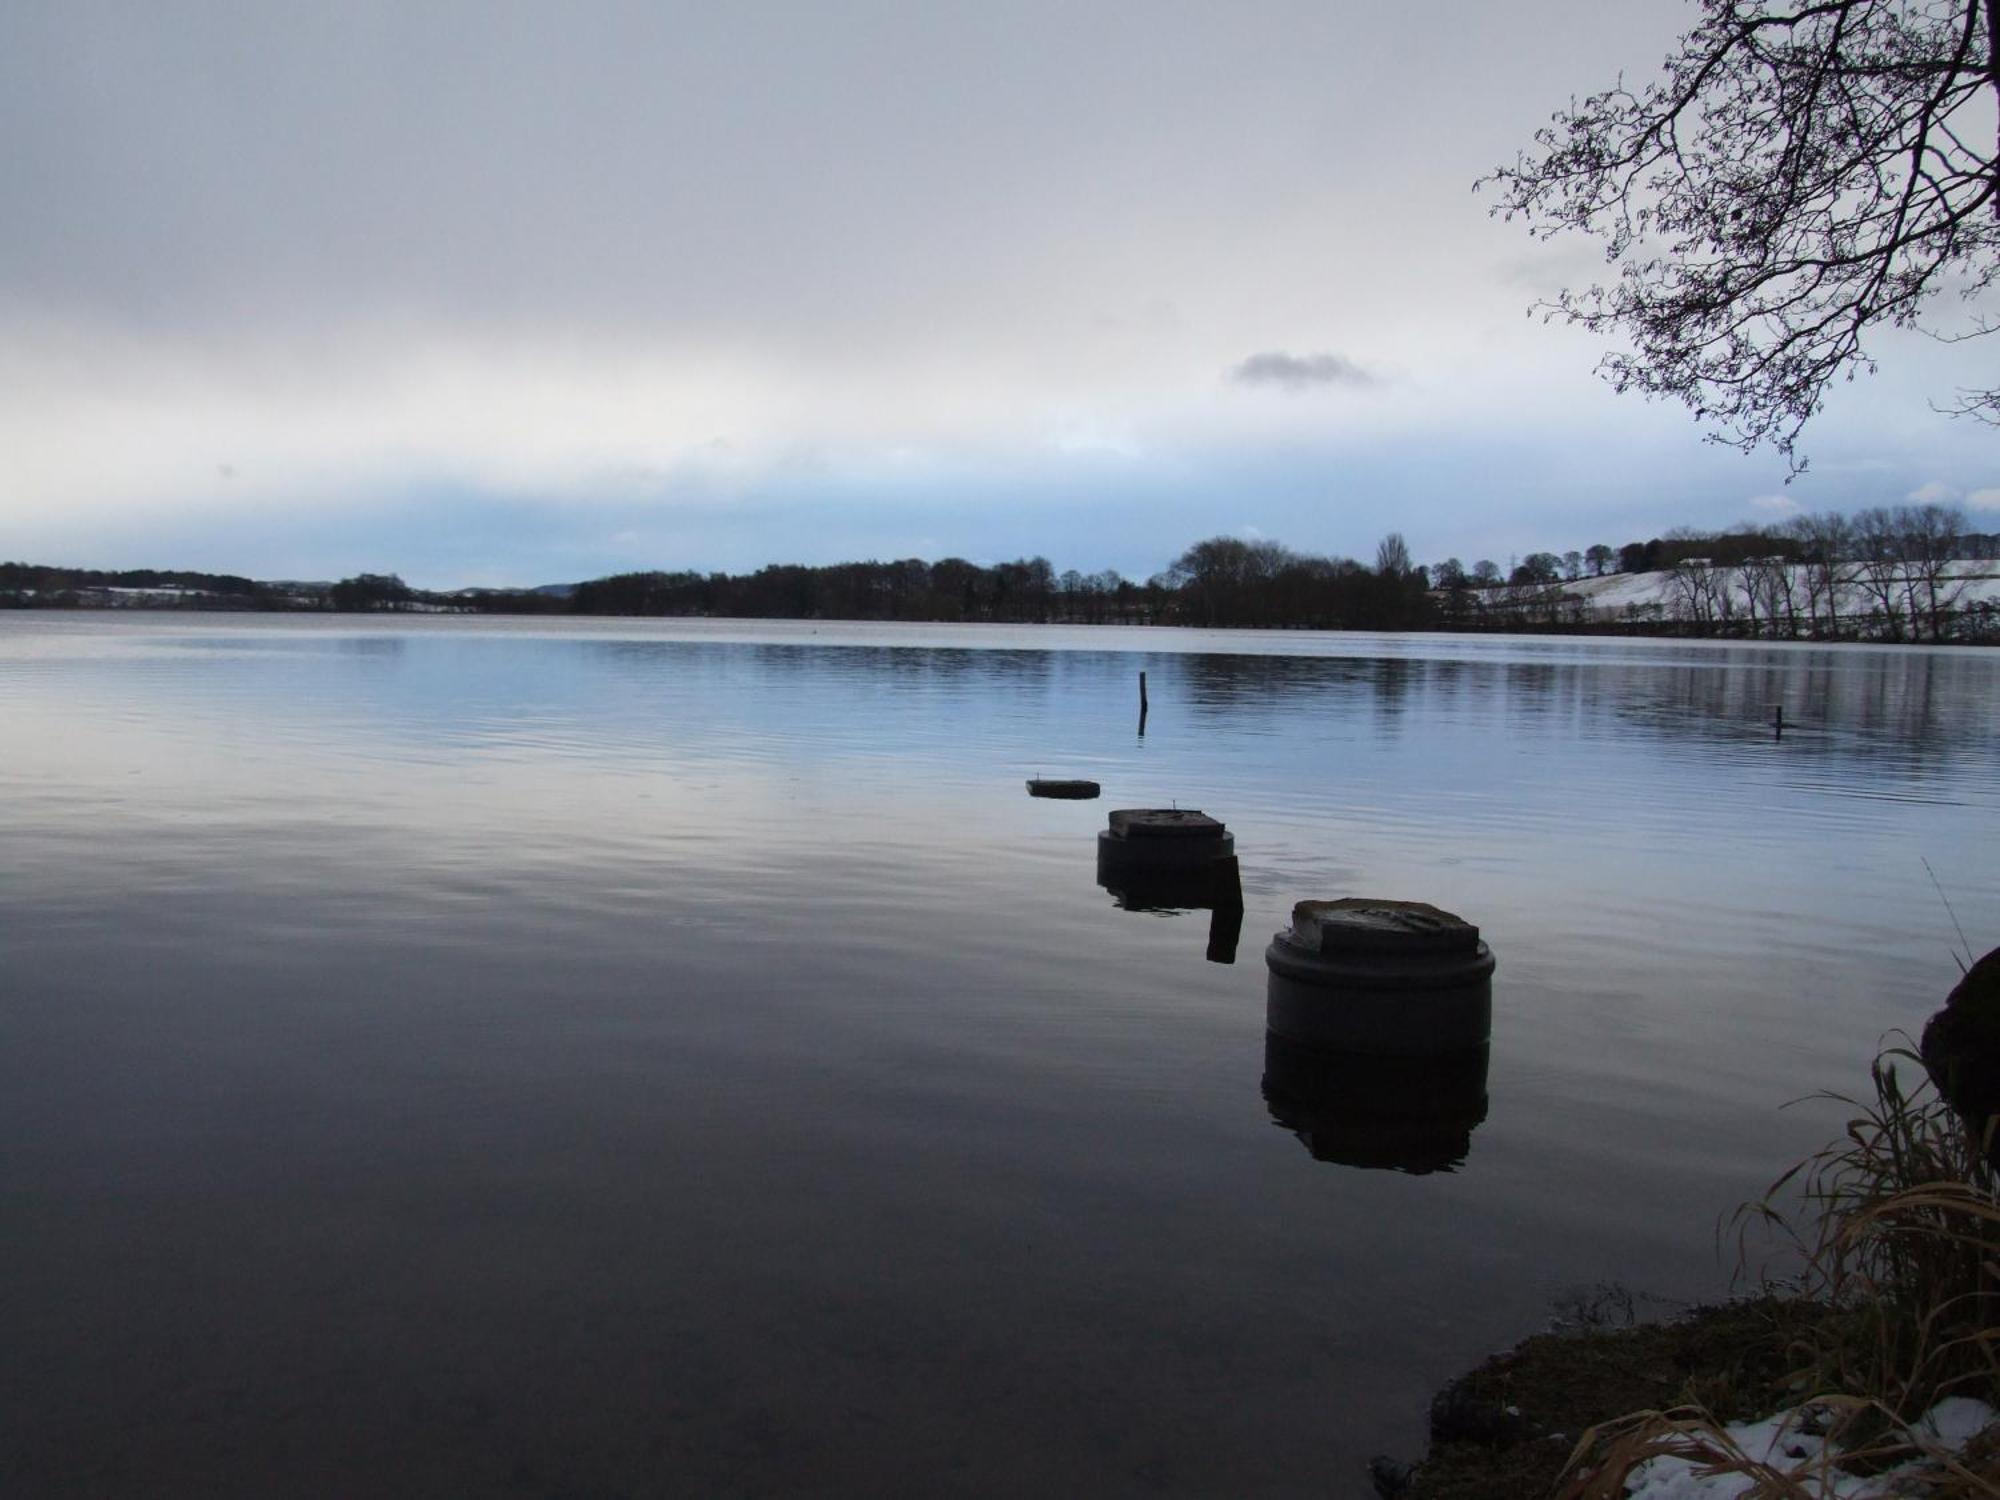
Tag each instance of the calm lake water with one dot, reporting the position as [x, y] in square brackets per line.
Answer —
[447, 1058]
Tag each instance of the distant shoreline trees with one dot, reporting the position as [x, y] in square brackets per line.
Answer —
[1884, 573]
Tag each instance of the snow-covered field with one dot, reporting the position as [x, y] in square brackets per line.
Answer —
[1664, 594]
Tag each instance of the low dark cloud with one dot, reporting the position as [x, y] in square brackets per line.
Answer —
[1301, 372]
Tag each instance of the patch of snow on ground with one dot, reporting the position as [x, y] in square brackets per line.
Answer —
[1786, 1442]
[1955, 1421]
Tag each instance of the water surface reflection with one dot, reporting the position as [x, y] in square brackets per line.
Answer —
[631, 1058]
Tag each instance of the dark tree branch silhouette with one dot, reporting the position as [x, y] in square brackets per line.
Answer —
[1800, 174]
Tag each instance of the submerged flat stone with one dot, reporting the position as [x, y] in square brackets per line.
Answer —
[1071, 790]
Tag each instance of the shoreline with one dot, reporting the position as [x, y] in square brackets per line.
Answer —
[1508, 1428]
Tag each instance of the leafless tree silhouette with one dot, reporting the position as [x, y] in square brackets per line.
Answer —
[1799, 175]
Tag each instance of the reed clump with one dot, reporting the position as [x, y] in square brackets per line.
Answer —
[1897, 1225]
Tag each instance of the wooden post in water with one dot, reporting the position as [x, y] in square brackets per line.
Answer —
[1142, 703]
[1778, 722]
[1225, 911]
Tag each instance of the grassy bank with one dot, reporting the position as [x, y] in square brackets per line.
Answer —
[1897, 1229]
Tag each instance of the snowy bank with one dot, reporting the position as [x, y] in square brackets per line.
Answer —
[1791, 1447]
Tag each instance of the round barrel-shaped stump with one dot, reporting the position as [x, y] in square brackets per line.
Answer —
[1394, 978]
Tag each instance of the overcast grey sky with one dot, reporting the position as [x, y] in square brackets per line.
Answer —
[500, 292]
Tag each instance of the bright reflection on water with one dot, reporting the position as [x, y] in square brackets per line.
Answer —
[440, 1058]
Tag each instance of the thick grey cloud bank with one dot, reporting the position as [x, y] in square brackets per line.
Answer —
[1300, 372]
[266, 259]
[791, 173]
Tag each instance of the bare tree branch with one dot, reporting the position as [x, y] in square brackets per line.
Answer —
[1799, 176]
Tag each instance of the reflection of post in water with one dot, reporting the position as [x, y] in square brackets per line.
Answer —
[1378, 1015]
[1167, 859]
[1225, 914]
[1407, 1114]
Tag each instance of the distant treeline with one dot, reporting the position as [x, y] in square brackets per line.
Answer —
[1222, 581]
[1879, 533]
[23, 583]
[1880, 573]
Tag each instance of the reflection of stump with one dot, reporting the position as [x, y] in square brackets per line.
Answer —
[1411, 1114]
[1961, 1045]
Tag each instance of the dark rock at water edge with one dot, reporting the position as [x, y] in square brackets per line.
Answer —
[1390, 1476]
[1961, 1043]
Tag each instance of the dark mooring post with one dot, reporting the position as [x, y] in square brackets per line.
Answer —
[1778, 722]
[1142, 703]
[1225, 913]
